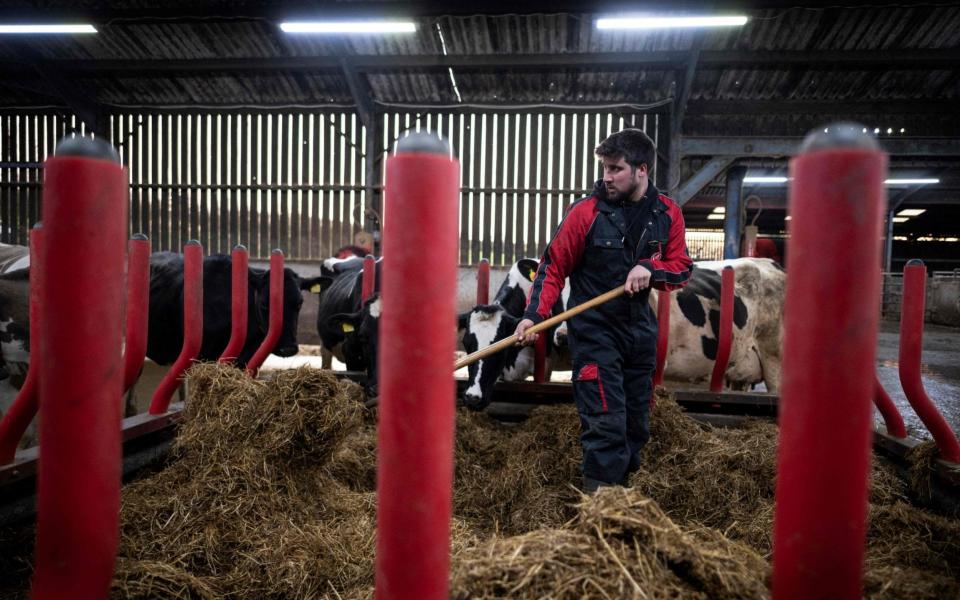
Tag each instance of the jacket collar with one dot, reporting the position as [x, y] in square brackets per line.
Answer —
[608, 206]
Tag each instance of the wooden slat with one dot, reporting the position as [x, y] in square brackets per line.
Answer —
[297, 221]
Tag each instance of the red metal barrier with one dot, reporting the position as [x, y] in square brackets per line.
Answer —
[276, 314]
[82, 260]
[138, 308]
[415, 459]
[239, 303]
[888, 410]
[483, 282]
[725, 338]
[663, 335]
[24, 407]
[911, 346]
[192, 326]
[540, 358]
[369, 281]
[837, 201]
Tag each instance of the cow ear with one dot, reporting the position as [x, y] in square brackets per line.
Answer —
[463, 319]
[344, 323]
[528, 268]
[315, 285]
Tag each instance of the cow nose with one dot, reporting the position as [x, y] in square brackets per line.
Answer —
[286, 351]
[473, 402]
[561, 338]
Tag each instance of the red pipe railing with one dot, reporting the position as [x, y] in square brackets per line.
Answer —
[138, 308]
[540, 358]
[24, 407]
[483, 282]
[829, 367]
[415, 457]
[725, 337]
[276, 314]
[239, 303]
[192, 326]
[82, 260]
[911, 346]
[663, 335]
[369, 281]
[888, 410]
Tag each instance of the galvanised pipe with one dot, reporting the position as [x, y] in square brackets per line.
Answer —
[138, 308]
[83, 260]
[275, 320]
[24, 407]
[192, 326]
[369, 280]
[725, 336]
[239, 303]
[837, 201]
[888, 410]
[663, 334]
[415, 458]
[911, 346]
[483, 282]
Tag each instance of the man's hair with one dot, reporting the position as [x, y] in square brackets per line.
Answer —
[633, 145]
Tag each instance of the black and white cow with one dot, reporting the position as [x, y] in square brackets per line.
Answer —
[484, 325]
[165, 334]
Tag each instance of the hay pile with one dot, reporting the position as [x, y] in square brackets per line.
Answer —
[270, 493]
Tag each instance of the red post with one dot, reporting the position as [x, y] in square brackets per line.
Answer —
[891, 416]
[239, 304]
[138, 308]
[725, 339]
[663, 335]
[837, 201]
[483, 282]
[911, 346]
[540, 358]
[192, 326]
[415, 461]
[369, 282]
[276, 314]
[25, 405]
[82, 260]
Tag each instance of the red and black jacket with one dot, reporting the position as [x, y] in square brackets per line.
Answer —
[589, 247]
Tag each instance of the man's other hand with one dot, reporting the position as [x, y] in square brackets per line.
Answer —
[524, 338]
[637, 279]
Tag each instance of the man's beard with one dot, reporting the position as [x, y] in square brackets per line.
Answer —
[618, 196]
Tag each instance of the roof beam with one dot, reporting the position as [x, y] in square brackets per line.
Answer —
[911, 60]
[701, 178]
[777, 147]
[820, 107]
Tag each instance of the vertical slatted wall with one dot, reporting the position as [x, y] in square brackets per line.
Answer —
[295, 179]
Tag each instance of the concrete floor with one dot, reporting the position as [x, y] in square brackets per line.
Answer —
[940, 371]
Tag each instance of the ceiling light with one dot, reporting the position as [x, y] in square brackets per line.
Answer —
[715, 217]
[720, 209]
[951, 239]
[765, 179]
[787, 218]
[911, 212]
[48, 28]
[641, 22]
[901, 219]
[913, 181]
[348, 27]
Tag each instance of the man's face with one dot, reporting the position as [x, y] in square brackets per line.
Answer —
[622, 181]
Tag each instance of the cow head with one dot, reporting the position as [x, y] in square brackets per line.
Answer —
[259, 294]
[360, 335]
[14, 324]
[515, 289]
[483, 326]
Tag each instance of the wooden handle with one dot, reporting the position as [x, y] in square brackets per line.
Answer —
[545, 324]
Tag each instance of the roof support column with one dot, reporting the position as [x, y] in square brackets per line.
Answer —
[732, 225]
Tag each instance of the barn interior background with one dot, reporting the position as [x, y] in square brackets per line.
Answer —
[236, 132]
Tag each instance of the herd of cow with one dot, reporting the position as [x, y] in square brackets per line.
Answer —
[348, 325]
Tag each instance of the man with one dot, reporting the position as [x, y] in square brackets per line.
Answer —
[627, 234]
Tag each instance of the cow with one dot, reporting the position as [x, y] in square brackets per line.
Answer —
[694, 326]
[484, 325]
[165, 332]
[14, 312]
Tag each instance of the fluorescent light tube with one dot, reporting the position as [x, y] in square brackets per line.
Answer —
[908, 181]
[911, 212]
[348, 27]
[48, 28]
[639, 22]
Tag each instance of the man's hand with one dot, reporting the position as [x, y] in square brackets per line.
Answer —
[637, 279]
[524, 338]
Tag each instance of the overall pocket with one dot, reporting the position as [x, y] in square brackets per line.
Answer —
[589, 387]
